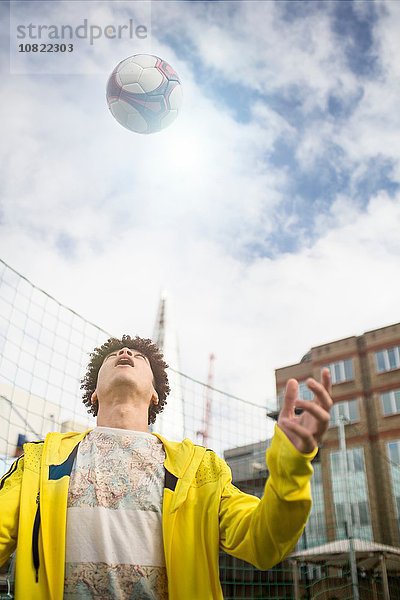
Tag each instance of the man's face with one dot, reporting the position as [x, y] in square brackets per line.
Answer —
[126, 370]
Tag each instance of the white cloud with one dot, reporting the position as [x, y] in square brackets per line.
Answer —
[264, 50]
[71, 166]
[256, 317]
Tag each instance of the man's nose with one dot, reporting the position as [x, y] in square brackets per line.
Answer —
[123, 351]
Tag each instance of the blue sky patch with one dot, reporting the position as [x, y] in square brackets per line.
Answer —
[356, 36]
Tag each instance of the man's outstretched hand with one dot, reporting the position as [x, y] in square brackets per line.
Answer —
[306, 431]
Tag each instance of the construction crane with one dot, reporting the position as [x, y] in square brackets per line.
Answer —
[203, 434]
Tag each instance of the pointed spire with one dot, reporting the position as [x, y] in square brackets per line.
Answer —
[171, 421]
[159, 327]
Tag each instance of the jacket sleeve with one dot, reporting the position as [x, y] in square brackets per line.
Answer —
[263, 532]
[10, 492]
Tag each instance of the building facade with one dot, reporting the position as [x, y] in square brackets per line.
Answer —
[365, 374]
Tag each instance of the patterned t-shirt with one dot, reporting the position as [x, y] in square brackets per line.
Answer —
[114, 547]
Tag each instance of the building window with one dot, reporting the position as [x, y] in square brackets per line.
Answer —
[390, 402]
[388, 359]
[315, 531]
[347, 410]
[341, 371]
[304, 392]
[394, 458]
[357, 495]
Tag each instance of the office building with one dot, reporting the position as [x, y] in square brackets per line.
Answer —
[365, 374]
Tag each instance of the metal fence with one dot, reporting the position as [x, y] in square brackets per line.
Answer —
[44, 348]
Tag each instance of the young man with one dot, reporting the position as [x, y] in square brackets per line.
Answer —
[117, 512]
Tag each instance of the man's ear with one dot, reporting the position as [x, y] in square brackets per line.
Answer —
[94, 397]
[154, 398]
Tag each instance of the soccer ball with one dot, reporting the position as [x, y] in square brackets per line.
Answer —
[144, 93]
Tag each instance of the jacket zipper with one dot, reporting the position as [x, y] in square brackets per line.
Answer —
[35, 538]
[36, 523]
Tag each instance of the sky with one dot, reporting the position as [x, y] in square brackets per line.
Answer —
[269, 210]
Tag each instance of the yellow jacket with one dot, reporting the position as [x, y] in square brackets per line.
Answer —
[202, 512]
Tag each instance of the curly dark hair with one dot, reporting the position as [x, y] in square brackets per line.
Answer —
[156, 360]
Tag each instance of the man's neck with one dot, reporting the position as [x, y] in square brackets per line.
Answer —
[123, 416]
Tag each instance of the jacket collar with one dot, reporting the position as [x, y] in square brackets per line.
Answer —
[58, 446]
[182, 460]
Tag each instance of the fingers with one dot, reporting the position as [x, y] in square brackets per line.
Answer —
[327, 380]
[300, 436]
[305, 431]
[319, 413]
[291, 393]
[322, 390]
